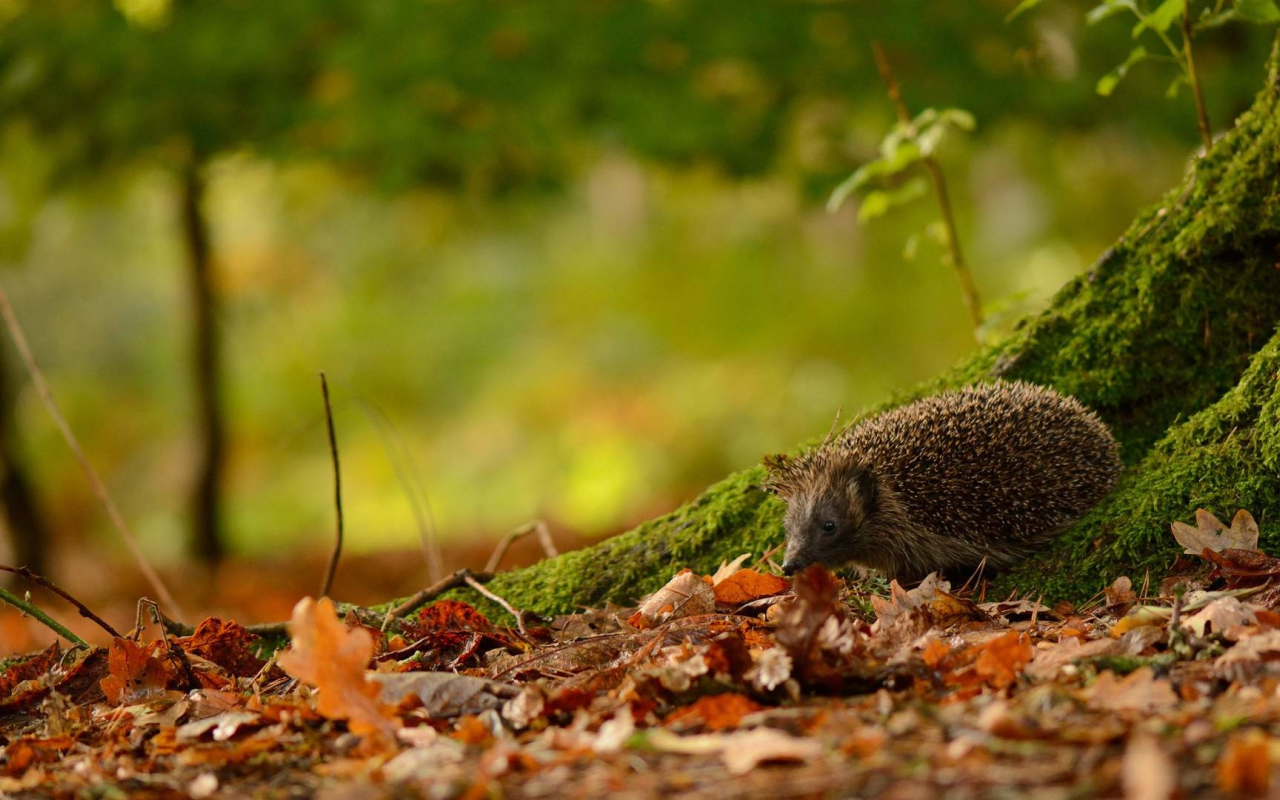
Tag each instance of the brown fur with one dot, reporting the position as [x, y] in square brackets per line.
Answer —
[990, 472]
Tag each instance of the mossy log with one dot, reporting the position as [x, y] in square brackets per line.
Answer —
[1170, 337]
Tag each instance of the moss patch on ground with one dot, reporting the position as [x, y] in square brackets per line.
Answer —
[1155, 337]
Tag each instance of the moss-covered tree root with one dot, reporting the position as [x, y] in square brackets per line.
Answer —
[1164, 337]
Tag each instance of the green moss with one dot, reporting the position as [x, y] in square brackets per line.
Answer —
[1155, 337]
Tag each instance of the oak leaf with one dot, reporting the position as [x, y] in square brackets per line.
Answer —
[1211, 533]
[333, 658]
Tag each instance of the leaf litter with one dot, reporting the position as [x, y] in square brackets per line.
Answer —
[735, 683]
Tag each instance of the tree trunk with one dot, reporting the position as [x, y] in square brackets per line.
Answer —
[28, 533]
[206, 494]
[1169, 337]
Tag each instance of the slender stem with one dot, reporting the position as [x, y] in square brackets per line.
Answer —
[337, 491]
[967, 286]
[48, 584]
[48, 621]
[1202, 116]
[99, 488]
[479, 587]
[406, 472]
[441, 586]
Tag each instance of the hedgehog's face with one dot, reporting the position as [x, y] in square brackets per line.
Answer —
[827, 519]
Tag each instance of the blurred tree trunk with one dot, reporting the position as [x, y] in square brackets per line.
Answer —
[28, 533]
[1170, 337]
[206, 528]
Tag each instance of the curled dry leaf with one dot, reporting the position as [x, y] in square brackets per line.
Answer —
[1210, 533]
[333, 658]
[685, 595]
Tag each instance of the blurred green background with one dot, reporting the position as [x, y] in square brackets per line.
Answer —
[565, 259]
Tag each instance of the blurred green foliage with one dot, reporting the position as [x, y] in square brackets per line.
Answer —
[575, 250]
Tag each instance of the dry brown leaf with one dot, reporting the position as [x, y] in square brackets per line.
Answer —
[1003, 659]
[1211, 533]
[746, 585]
[1148, 772]
[715, 712]
[326, 654]
[685, 595]
[741, 752]
[1244, 768]
[135, 673]
[1139, 692]
[1220, 615]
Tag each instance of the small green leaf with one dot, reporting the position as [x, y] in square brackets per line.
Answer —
[1160, 19]
[904, 154]
[1177, 84]
[1259, 12]
[1107, 83]
[958, 118]
[1021, 8]
[877, 203]
[1109, 8]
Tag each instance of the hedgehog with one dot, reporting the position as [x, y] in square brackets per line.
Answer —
[977, 478]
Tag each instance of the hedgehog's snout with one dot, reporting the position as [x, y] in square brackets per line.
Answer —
[791, 566]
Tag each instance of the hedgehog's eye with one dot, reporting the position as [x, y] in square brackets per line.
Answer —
[829, 526]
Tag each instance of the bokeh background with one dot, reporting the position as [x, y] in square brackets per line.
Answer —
[564, 260]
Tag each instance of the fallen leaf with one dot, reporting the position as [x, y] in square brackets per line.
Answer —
[443, 694]
[452, 615]
[1210, 533]
[746, 585]
[1120, 596]
[715, 712]
[1219, 615]
[1139, 692]
[1001, 660]
[226, 643]
[135, 673]
[741, 752]
[333, 658]
[728, 569]
[1147, 771]
[1242, 567]
[1244, 768]
[685, 595]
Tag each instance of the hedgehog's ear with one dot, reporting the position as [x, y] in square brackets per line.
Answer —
[862, 485]
[778, 468]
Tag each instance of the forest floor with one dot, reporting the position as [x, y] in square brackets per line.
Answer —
[734, 684]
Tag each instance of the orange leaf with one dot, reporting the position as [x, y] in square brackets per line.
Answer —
[333, 658]
[134, 672]
[1244, 767]
[1002, 659]
[746, 585]
[716, 712]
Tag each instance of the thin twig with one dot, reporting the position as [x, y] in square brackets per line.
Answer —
[438, 588]
[519, 615]
[406, 471]
[337, 491]
[967, 286]
[544, 538]
[99, 488]
[49, 622]
[1202, 116]
[48, 584]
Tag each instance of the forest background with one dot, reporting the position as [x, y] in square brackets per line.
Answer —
[567, 261]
